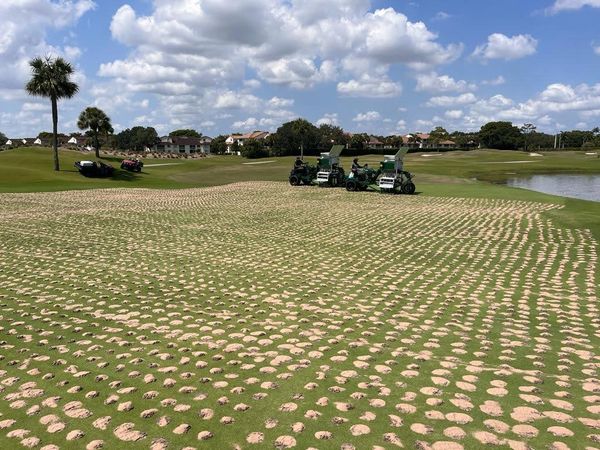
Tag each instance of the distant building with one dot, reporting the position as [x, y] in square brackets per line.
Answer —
[241, 138]
[21, 142]
[183, 145]
[375, 144]
[446, 144]
[205, 142]
[424, 141]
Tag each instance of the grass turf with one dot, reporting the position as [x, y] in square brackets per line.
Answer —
[416, 317]
[456, 174]
[470, 306]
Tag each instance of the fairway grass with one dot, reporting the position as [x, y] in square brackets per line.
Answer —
[30, 169]
[257, 315]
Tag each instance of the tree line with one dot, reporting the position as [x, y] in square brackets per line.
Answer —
[300, 135]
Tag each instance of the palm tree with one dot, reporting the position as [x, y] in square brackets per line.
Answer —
[51, 78]
[96, 121]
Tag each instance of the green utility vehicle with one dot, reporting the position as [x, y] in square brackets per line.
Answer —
[303, 174]
[360, 179]
[329, 171]
[394, 179]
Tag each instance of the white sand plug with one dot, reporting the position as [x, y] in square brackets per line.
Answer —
[240, 315]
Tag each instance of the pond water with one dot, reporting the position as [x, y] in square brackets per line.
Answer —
[586, 187]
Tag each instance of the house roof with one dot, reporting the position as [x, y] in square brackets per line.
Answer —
[254, 135]
[181, 140]
[447, 142]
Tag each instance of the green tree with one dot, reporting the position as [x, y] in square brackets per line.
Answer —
[540, 140]
[500, 135]
[394, 140]
[96, 121]
[136, 138]
[188, 132]
[330, 135]
[465, 140]
[527, 129]
[253, 148]
[3, 138]
[292, 135]
[218, 145]
[359, 142]
[413, 138]
[47, 135]
[438, 134]
[576, 138]
[51, 78]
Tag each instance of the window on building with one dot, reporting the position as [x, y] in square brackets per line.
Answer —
[182, 149]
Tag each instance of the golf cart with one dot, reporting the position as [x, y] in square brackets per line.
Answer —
[132, 165]
[95, 169]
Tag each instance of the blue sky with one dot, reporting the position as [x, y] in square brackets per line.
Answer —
[383, 67]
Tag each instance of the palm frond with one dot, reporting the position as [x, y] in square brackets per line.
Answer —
[51, 78]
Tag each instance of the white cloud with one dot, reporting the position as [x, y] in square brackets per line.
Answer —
[495, 81]
[441, 15]
[188, 53]
[596, 49]
[299, 73]
[543, 110]
[35, 106]
[434, 83]
[449, 101]
[367, 86]
[277, 102]
[454, 114]
[558, 98]
[309, 12]
[237, 100]
[293, 43]
[23, 33]
[72, 53]
[252, 123]
[370, 116]
[391, 38]
[252, 84]
[329, 119]
[571, 5]
[500, 46]
[422, 124]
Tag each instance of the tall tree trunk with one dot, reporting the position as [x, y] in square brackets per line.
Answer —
[97, 145]
[55, 132]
